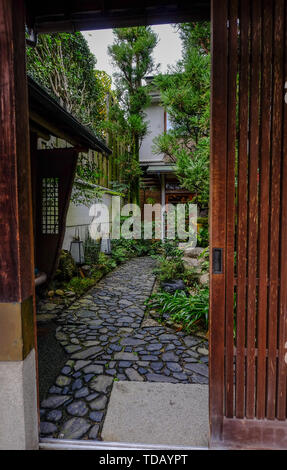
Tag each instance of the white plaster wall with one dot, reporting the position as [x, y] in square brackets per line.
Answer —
[18, 404]
[78, 218]
[155, 116]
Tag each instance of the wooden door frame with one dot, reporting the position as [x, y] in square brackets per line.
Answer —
[217, 214]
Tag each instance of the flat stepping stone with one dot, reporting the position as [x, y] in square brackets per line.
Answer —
[72, 348]
[77, 408]
[83, 392]
[149, 357]
[54, 415]
[149, 323]
[63, 381]
[66, 370]
[91, 343]
[55, 390]
[96, 322]
[133, 375]
[192, 353]
[80, 364]
[99, 403]
[157, 365]
[94, 368]
[125, 356]
[156, 413]
[125, 302]
[160, 378]
[47, 428]
[101, 383]
[84, 314]
[77, 385]
[75, 428]
[174, 366]
[115, 347]
[203, 351]
[87, 352]
[93, 434]
[88, 377]
[181, 376]
[126, 320]
[170, 357]
[154, 347]
[92, 396]
[96, 416]
[61, 336]
[198, 368]
[55, 401]
[190, 341]
[125, 364]
[199, 379]
[166, 337]
[131, 342]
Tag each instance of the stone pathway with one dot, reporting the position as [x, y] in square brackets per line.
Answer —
[108, 339]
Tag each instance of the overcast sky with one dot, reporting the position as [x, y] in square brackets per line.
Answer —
[168, 50]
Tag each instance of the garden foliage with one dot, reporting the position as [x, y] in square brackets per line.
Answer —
[131, 54]
[185, 94]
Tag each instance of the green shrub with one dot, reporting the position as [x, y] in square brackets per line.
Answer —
[80, 285]
[134, 247]
[169, 269]
[190, 277]
[189, 310]
[203, 221]
[66, 267]
[120, 254]
[203, 237]
[92, 250]
[204, 258]
[169, 248]
[106, 263]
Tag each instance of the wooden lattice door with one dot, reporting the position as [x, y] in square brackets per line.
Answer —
[248, 224]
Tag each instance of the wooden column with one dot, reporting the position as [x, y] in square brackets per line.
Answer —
[15, 180]
[16, 253]
[17, 334]
[218, 213]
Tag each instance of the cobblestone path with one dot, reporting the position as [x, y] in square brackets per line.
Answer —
[108, 339]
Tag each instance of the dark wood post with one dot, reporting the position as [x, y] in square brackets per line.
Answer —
[218, 213]
[17, 334]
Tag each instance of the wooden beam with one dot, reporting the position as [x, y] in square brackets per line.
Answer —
[59, 15]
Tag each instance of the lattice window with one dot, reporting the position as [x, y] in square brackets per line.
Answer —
[50, 205]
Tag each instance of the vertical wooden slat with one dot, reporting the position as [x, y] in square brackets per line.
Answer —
[219, 10]
[230, 207]
[275, 205]
[264, 205]
[253, 205]
[281, 394]
[242, 208]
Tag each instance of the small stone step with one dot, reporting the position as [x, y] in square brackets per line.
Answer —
[191, 262]
[193, 252]
[204, 279]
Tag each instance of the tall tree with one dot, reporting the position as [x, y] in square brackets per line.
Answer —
[185, 94]
[63, 63]
[131, 53]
